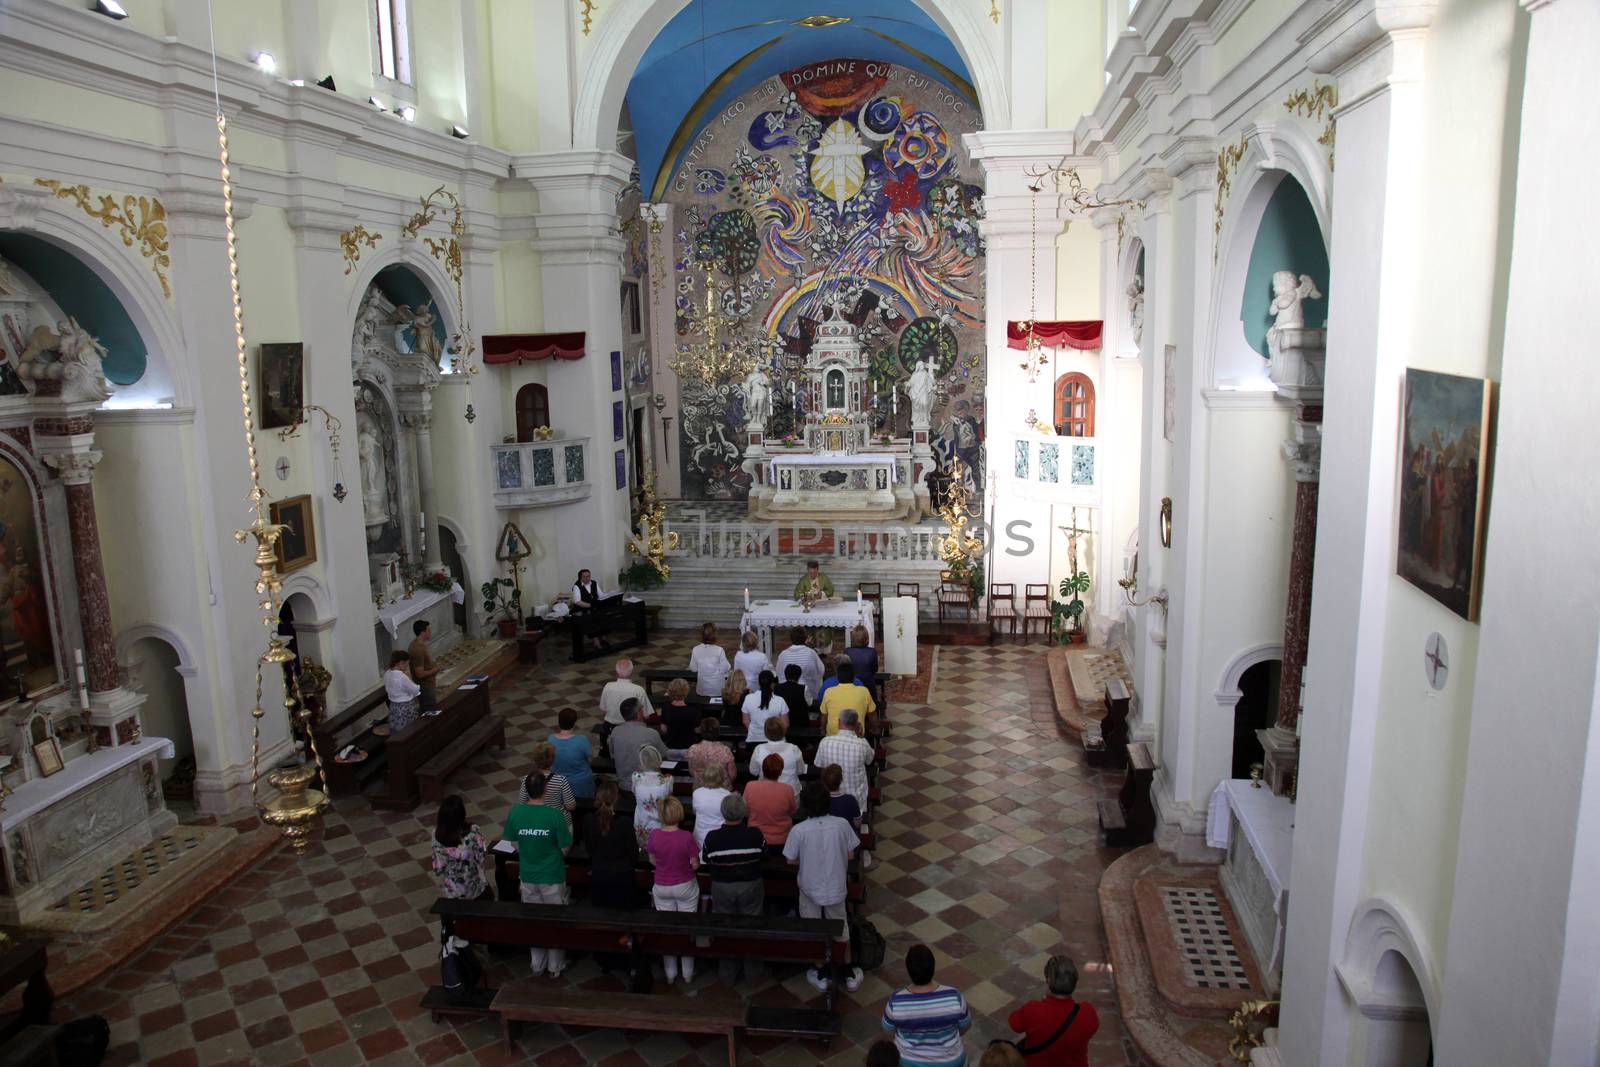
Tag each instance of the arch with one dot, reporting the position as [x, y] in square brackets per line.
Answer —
[323, 613]
[409, 254]
[165, 712]
[1228, 691]
[532, 409]
[1273, 151]
[140, 630]
[130, 280]
[629, 28]
[1380, 931]
[1074, 405]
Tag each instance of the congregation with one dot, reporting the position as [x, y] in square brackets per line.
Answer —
[711, 795]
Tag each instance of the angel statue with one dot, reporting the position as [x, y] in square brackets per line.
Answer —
[1135, 293]
[420, 322]
[757, 397]
[1287, 293]
[82, 376]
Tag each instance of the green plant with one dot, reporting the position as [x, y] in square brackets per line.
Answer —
[1066, 615]
[642, 574]
[436, 581]
[496, 602]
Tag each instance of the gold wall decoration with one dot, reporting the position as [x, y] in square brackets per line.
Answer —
[652, 516]
[587, 11]
[448, 252]
[1317, 104]
[994, 11]
[1227, 163]
[351, 242]
[140, 219]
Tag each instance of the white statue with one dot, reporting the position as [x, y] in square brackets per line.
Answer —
[1136, 308]
[1286, 297]
[374, 485]
[71, 356]
[921, 387]
[757, 397]
[423, 341]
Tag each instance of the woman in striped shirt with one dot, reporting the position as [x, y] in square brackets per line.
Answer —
[927, 1018]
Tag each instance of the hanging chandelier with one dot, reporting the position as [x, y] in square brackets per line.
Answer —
[713, 361]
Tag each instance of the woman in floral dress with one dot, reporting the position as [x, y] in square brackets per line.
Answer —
[458, 851]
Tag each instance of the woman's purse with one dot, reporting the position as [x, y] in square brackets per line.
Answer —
[1023, 1048]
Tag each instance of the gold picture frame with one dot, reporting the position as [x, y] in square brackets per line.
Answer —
[47, 754]
[297, 546]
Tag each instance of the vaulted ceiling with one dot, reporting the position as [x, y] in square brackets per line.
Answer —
[714, 50]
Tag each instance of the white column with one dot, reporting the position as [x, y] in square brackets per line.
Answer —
[659, 291]
[1530, 817]
[1374, 254]
[421, 423]
[1019, 545]
[581, 271]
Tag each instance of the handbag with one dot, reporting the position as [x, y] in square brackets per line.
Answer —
[1023, 1048]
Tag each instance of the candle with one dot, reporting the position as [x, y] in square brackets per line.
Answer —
[83, 681]
[747, 598]
[858, 596]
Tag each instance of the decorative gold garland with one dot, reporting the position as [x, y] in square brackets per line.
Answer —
[351, 241]
[994, 11]
[1227, 162]
[139, 218]
[448, 252]
[587, 7]
[652, 516]
[1317, 104]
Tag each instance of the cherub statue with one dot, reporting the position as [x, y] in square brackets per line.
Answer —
[1135, 293]
[423, 340]
[1286, 297]
[82, 376]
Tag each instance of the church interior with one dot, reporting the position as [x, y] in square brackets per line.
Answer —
[1101, 487]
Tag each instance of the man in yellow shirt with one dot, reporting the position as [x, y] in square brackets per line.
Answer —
[848, 693]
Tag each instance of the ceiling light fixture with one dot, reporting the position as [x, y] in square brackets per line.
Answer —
[407, 112]
[110, 9]
[299, 83]
[459, 131]
[375, 102]
[265, 62]
[327, 83]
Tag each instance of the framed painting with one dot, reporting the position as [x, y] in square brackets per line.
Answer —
[616, 420]
[616, 372]
[622, 469]
[1444, 454]
[297, 546]
[282, 368]
[47, 754]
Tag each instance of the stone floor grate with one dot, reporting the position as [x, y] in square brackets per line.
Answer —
[1210, 960]
[123, 877]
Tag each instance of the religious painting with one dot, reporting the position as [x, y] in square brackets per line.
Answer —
[840, 189]
[1169, 394]
[25, 631]
[616, 372]
[1444, 452]
[297, 545]
[282, 369]
[47, 754]
[622, 469]
[616, 420]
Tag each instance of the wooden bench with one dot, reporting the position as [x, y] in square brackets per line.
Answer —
[642, 932]
[431, 775]
[1130, 820]
[528, 642]
[438, 1004]
[351, 726]
[409, 751]
[534, 1002]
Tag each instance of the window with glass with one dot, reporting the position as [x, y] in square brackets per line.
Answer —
[394, 40]
[533, 410]
[1074, 405]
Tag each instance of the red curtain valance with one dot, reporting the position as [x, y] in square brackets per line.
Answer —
[516, 347]
[1084, 334]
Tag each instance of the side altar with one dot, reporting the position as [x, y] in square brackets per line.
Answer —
[835, 469]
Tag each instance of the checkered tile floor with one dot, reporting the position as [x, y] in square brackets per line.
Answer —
[1210, 960]
[987, 853]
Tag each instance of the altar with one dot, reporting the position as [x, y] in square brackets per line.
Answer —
[1257, 828]
[863, 483]
[765, 616]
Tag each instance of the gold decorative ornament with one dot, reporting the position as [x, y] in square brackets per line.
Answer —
[331, 421]
[994, 11]
[1249, 1024]
[1317, 104]
[1227, 162]
[543, 433]
[1130, 587]
[1166, 522]
[652, 516]
[712, 361]
[957, 547]
[140, 219]
[820, 22]
[587, 11]
[448, 252]
[351, 241]
[296, 810]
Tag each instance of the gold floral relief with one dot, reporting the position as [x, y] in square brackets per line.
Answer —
[1227, 162]
[587, 12]
[1317, 104]
[140, 220]
[351, 242]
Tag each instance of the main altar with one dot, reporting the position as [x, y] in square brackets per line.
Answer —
[767, 616]
[834, 468]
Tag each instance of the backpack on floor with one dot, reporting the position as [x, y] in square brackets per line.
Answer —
[867, 946]
[460, 972]
[83, 1042]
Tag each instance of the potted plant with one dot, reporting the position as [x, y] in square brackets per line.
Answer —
[641, 575]
[506, 605]
[1066, 615]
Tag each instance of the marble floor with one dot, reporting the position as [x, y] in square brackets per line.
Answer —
[987, 852]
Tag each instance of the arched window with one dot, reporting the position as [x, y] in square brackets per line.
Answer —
[1074, 405]
[533, 410]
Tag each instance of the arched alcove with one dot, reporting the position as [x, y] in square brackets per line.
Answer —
[1130, 299]
[1257, 709]
[1390, 978]
[155, 668]
[450, 555]
[1286, 239]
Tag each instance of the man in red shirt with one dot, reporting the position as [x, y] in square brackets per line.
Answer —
[1049, 1040]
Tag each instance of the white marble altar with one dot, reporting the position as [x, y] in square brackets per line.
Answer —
[765, 616]
[1255, 875]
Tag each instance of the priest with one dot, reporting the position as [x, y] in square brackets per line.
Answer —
[813, 583]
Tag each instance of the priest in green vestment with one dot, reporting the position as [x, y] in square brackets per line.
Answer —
[813, 582]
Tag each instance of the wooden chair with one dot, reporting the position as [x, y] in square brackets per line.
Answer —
[954, 592]
[910, 589]
[1002, 606]
[873, 591]
[1036, 607]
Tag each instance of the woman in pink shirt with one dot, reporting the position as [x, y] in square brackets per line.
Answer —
[772, 804]
[676, 856]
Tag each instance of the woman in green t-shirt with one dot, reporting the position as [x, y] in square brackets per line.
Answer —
[542, 837]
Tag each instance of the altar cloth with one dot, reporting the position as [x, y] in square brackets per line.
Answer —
[1268, 824]
[392, 614]
[764, 616]
[32, 797]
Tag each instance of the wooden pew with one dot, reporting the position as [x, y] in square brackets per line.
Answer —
[351, 726]
[409, 751]
[533, 1002]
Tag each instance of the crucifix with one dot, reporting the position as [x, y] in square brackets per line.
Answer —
[1073, 532]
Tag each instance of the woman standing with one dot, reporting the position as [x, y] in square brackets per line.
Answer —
[707, 801]
[402, 691]
[709, 661]
[543, 836]
[750, 660]
[613, 853]
[556, 790]
[572, 754]
[676, 856]
[794, 761]
[772, 804]
[458, 851]
[761, 706]
[710, 752]
[680, 723]
[650, 788]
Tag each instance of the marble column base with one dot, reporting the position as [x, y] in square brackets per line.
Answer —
[1282, 764]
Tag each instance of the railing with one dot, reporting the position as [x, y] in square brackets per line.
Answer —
[533, 474]
[735, 539]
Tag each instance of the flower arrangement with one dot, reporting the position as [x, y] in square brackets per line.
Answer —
[543, 433]
[437, 581]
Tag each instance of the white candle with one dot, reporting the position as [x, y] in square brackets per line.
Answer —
[747, 598]
[858, 596]
[83, 681]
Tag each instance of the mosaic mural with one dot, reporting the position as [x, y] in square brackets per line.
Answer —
[839, 184]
